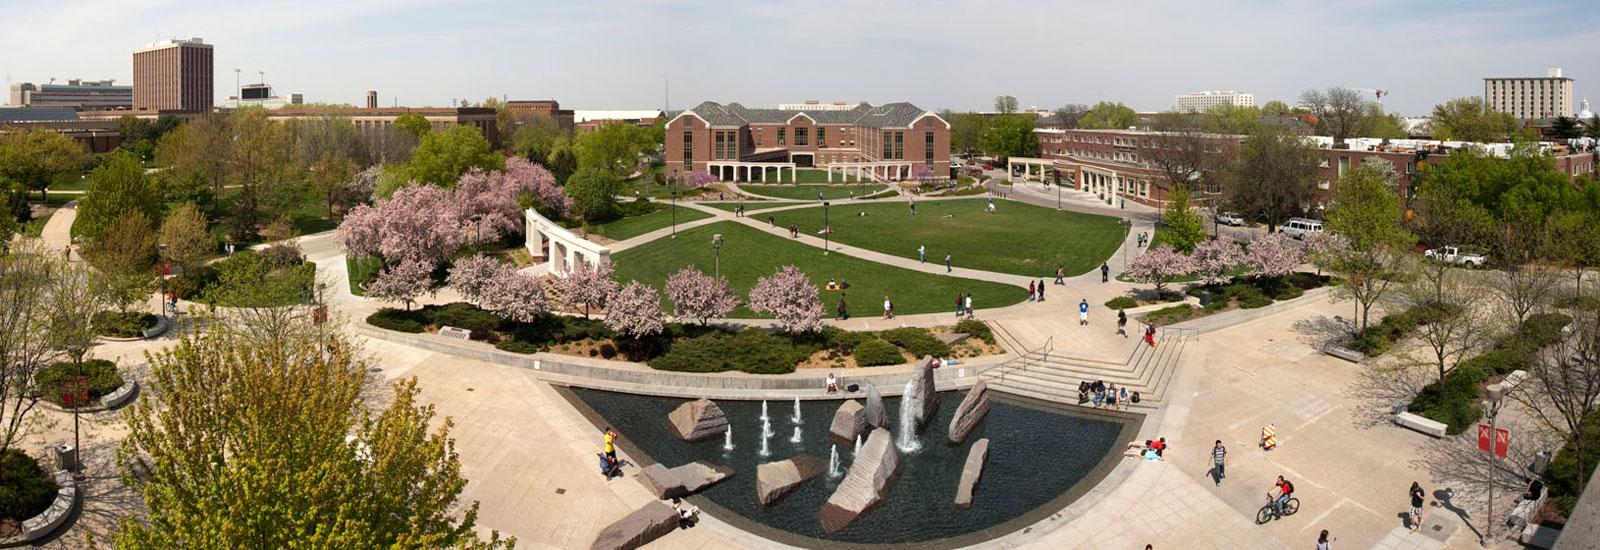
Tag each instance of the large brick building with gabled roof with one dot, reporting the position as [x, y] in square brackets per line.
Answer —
[734, 142]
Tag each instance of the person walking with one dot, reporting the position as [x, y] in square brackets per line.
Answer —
[1219, 462]
[888, 307]
[1418, 496]
[1041, 290]
[611, 443]
[913, 203]
[843, 312]
[971, 313]
[922, 254]
[1122, 323]
[1323, 542]
[1083, 312]
[1150, 334]
[946, 263]
[1105, 272]
[1032, 292]
[959, 308]
[1061, 275]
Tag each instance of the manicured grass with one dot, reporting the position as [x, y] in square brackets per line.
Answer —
[35, 227]
[749, 253]
[1018, 238]
[360, 270]
[633, 226]
[748, 206]
[804, 175]
[809, 192]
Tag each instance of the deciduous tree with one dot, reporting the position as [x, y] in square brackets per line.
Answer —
[1561, 393]
[635, 311]
[1005, 104]
[1341, 112]
[790, 298]
[1369, 244]
[419, 223]
[697, 296]
[40, 158]
[587, 286]
[442, 157]
[1159, 266]
[613, 148]
[1470, 119]
[1106, 115]
[1274, 255]
[1214, 259]
[594, 193]
[1452, 325]
[471, 276]
[1010, 136]
[25, 346]
[184, 236]
[515, 296]
[403, 282]
[1181, 226]
[1274, 178]
[119, 186]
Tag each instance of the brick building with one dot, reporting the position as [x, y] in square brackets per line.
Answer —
[379, 119]
[173, 75]
[589, 120]
[733, 142]
[547, 107]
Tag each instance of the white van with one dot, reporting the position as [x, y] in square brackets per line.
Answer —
[1300, 227]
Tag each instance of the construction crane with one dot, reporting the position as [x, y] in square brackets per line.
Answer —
[1376, 93]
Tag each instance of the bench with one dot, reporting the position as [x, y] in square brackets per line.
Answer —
[1345, 353]
[453, 332]
[1539, 536]
[120, 396]
[40, 526]
[1420, 424]
[162, 324]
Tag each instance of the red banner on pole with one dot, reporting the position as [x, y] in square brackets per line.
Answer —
[1483, 437]
[1502, 440]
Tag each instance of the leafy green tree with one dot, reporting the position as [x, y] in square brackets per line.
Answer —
[125, 255]
[1005, 104]
[265, 169]
[119, 186]
[185, 236]
[1592, 127]
[1274, 177]
[1276, 108]
[186, 187]
[1010, 136]
[1106, 115]
[537, 138]
[562, 163]
[202, 146]
[414, 124]
[965, 130]
[37, 159]
[263, 439]
[1471, 119]
[594, 192]
[613, 147]
[1379, 124]
[1181, 226]
[444, 156]
[1365, 214]
[1227, 118]
[139, 136]
[1565, 127]
[1341, 112]
[331, 177]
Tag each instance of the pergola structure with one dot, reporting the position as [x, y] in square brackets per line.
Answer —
[559, 245]
[730, 170]
[1028, 165]
[883, 170]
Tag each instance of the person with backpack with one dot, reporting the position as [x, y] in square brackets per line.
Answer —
[1122, 323]
[1219, 462]
[1285, 490]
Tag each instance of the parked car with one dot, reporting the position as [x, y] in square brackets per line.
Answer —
[1300, 227]
[1230, 218]
[1454, 255]
[988, 167]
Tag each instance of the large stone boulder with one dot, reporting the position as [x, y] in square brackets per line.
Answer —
[683, 480]
[920, 391]
[971, 471]
[849, 421]
[698, 420]
[776, 479]
[971, 411]
[877, 416]
[638, 528]
[865, 485]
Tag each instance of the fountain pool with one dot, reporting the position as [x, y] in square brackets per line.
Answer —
[1041, 458]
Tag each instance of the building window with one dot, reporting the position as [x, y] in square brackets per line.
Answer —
[800, 137]
[781, 136]
[822, 137]
[716, 149]
[1344, 165]
[688, 150]
[927, 147]
[888, 147]
[900, 145]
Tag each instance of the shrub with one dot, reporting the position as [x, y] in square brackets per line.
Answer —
[1122, 302]
[608, 351]
[119, 324]
[976, 329]
[1581, 302]
[1452, 400]
[875, 352]
[1169, 315]
[193, 281]
[517, 346]
[280, 256]
[842, 341]
[752, 350]
[398, 320]
[1250, 297]
[1563, 478]
[28, 491]
[53, 380]
[467, 316]
[916, 340]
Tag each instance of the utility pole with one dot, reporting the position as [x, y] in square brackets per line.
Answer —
[238, 89]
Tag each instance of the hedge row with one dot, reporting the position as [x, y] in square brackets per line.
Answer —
[1376, 339]
[1454, 399]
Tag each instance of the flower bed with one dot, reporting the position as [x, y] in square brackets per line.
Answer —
[118, 324]
[26, 490]
[52, 381]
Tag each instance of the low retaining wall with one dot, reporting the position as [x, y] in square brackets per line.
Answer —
[117, 398]
[66, 503]
[603, 374]
[1227, 319]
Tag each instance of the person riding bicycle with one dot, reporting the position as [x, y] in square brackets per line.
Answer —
[1285, 490]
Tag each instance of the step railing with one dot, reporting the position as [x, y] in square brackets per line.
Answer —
[1024, 357]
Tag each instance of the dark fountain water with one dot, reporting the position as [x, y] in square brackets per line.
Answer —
[1041, 457]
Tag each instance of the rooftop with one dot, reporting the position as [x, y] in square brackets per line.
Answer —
[891, 115]
[9, 115]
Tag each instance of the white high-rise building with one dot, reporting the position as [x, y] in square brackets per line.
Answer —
[1530, 97]
[1200, 102]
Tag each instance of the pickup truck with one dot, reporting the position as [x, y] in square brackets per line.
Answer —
[1454, 255]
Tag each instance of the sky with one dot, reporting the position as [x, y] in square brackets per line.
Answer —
[956, 54]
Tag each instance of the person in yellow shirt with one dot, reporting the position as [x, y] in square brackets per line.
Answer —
[611, 439]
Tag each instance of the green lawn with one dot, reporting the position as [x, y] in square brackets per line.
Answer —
[633, 226]
[35, 227]
[803, 175]
[749, 253]
[1018, 238]
[748, 206]
[360, 270]
[809, 192]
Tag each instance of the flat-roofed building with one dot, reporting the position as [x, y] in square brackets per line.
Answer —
[173, 75]
[546, 107]
[1530, 97]
[75, 94]
[1200, 102]
[589, 120]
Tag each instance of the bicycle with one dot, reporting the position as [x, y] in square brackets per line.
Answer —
[1270, 512]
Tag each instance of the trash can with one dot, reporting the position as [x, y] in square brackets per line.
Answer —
[1205, 298]
[67, 457]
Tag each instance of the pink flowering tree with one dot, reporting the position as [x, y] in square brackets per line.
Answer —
[403, 282]
[419, 223]
[470, 276]
[698, 296]
[1274, 255]
[1213, 259]
[699, 179]
[587, 286]
[790, 298]
[1159, 266]
[515, 296]
[491, 203]
[635, 311]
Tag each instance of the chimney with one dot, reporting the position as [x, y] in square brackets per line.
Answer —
[372, 99]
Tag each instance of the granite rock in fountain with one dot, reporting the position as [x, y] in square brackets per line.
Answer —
[923, 401]
[849, 421]
[638, 528]
[682, 481]
[698, 420]
[971, 471]
[865, 485]
[971, 411]
[776, 479]
[877, 416]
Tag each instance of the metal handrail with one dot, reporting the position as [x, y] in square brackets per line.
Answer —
[1042, 351]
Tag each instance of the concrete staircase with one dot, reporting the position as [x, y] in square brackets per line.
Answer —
[1043, 373]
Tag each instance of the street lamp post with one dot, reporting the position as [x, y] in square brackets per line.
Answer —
[1492, 405]
[675, 207]
[827, 232]
[716, 244]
